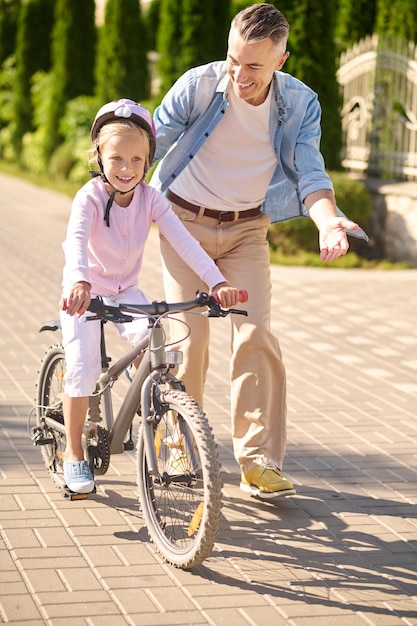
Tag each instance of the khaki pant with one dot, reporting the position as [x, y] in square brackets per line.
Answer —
[257, 374]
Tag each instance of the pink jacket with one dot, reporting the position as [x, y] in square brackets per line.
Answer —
[110, 259]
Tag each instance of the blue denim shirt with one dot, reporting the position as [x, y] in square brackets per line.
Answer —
[197, 102]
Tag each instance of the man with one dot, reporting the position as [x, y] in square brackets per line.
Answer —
[240, 146]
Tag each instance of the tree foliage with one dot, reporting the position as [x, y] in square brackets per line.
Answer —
[49, 57]
[355, 20]
[122, 66]
[33, 53]
[313, 60]
[397, 18]
[9, 11]
[168, 43]
[222, 12]
[73, 55]
[238, 5]
[191, 33]
[152, 19]
[197, 34]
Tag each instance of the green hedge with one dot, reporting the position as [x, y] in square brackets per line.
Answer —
[299, 236]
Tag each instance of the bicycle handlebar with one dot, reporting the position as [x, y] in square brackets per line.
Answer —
[117, 313]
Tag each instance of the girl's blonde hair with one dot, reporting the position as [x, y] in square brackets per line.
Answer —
[117, 128]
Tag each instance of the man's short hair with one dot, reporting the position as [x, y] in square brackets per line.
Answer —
[262, 21]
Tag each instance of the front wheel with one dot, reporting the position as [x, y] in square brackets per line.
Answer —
[181, 505]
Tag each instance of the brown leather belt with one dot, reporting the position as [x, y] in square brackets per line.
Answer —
[221, 216]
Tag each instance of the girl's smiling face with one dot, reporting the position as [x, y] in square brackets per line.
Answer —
[124, 156]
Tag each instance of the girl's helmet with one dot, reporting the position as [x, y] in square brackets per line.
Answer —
[117, 111]
[126, 109]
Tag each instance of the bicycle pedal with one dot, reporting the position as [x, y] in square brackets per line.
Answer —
[73, 495]
[39, 439]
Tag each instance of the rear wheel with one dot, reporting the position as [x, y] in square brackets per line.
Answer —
[51, 438]
[50, 394]
[181, 505]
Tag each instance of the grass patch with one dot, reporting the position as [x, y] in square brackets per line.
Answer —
[350, 261]
[62, 186]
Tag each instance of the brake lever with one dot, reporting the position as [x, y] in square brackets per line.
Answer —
[215, 309]
[219, 312]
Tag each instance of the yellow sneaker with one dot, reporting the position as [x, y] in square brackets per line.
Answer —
[266, 482]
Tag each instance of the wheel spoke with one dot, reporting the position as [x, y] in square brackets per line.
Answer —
[181, 505]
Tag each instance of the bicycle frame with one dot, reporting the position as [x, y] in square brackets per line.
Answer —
[152, 369]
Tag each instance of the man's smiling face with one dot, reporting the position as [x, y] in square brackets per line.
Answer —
[251, 65]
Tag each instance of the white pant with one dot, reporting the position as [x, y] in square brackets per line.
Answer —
[81, 341]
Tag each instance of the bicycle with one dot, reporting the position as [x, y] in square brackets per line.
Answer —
[178, 467]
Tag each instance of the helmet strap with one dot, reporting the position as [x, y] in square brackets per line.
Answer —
[108, 207]
[112, 195]
[111, 199]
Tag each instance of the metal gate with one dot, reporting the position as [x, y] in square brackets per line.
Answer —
[378, 77]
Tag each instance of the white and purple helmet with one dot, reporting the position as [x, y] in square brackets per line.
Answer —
[126, 109]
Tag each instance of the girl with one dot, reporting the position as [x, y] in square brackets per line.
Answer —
[109, 223]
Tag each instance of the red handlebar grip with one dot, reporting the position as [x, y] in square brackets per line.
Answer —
[243, 295]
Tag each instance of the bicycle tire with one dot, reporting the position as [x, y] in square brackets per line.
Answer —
[50, 392]
[181, 506]
[49, 401]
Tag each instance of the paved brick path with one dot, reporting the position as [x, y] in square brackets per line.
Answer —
[343, 551]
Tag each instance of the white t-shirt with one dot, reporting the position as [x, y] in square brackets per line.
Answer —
[233, 168]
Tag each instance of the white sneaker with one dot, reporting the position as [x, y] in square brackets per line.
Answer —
[78, 477]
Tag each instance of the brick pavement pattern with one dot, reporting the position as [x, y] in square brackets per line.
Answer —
[343, 551]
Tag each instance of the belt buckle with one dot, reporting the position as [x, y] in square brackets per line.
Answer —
[221, 213]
